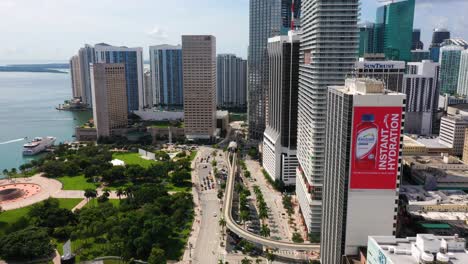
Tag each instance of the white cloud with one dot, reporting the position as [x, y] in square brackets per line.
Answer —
[157, 33]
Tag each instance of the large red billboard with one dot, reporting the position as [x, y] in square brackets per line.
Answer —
[375, 147]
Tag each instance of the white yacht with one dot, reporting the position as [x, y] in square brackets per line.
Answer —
[37, 145]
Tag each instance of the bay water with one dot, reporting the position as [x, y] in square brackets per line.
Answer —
[27, 109]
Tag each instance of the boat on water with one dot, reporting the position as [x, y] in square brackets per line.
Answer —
[37, 145]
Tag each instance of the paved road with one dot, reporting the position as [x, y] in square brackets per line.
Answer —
[207, 244]
[277, 215]
[233, 226]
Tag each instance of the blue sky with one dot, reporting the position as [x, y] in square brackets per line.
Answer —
[55, 29]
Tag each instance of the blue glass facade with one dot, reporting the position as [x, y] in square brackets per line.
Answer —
[132, 58]
[166, 74]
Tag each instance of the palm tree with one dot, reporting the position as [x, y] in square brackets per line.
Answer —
[106, 192]
[13, 171]
[5, 172]
[90, 193]
[258, 261]
[120, 191]
[246, 261]
[265, 231]
[222, 223]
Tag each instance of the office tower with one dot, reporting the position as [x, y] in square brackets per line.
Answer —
[268, 18]
[231, 81]
[420, 55]
[75, 73]
[366, 39]
[455, 41]
[452, 128]
[280, 137]
[199, 74]
[362, 166]
[133, 60]
[438, 36]
[394, 30]
[390, 72]
[449, 68]
[109, 86]
[462, 87]
[148, 89]
[329, 45]
[465, 147]
[417, 43]
[86, 58]
[166, 75]
[422, 96]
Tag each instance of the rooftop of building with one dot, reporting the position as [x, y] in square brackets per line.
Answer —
[416, 195]
[432, 142]
[423, 248]
[364, 86]
[408, 141]
[435, 160]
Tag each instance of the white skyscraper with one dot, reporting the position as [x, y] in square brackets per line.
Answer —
[329, 47]
[422, 96]
[362, 166]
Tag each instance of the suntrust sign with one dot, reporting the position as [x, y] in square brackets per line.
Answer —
[374, 65]
[375, 147]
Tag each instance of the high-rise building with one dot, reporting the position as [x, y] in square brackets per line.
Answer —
[462, 87]
[420, 55]
[231, 88]
[455, 41]
[452, 128]
[86, 58]
[366, 39]
[422, 96]
[75, 73]
[148, 89]
[438, 36]
[166, 75]
[280, 137]
[417, 43]
[390, 72]
[465, 147]
[109, 87]
[199, 75]
[362, 166]
[394, 30]
[329, 46]
[268, 18]
[449, 68]
[133, 60]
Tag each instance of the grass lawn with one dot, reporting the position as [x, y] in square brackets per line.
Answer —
[12, 216]
[93, 202]
[193, 154]
[76, 183]
[133, 159]
[172, 188]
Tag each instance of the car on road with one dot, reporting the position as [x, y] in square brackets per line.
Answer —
[215, 214]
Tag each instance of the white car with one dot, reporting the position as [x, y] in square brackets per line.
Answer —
[215, 214]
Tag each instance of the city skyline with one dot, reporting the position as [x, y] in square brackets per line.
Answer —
[148, 23]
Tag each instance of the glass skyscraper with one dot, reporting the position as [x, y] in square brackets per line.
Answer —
[132, 58]
[268, 18]
[449, 68]
[438, 36]
[231, 81]
[394, 30]
[166, 75]
[366, 39]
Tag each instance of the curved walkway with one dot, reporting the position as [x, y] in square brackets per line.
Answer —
[234, 227]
